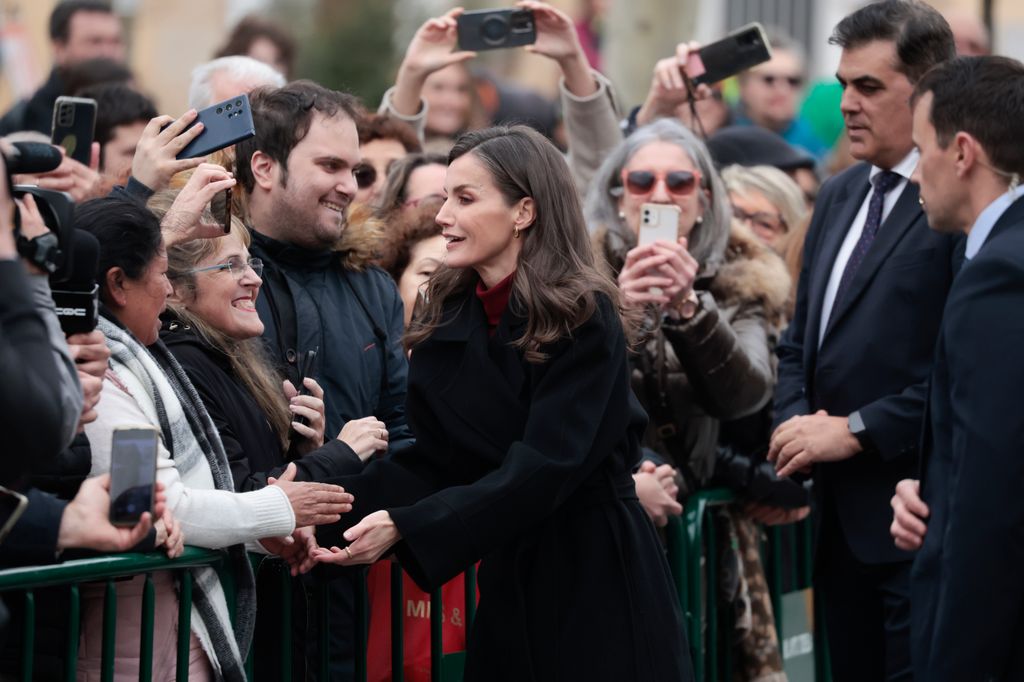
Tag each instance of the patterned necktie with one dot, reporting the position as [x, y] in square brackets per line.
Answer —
[883, 182]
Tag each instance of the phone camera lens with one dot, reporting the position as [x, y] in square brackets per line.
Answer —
[494, 30]
[238, 102]
[228, 107]
[220, 110]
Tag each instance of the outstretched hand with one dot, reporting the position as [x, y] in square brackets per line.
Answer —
[369, 540]
[314, 504]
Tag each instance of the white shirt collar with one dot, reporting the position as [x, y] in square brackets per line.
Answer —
[904, 168]
[985, 221]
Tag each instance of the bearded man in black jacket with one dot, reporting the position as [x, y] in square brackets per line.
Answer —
[319, 291]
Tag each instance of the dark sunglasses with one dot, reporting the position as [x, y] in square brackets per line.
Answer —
[679, 183]
[365, 175]
[769, 79]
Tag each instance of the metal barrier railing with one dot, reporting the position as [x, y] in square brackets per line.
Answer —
[692, 554]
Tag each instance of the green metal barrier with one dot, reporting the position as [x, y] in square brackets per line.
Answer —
[692, 552]
[693, 558]
[72, 574]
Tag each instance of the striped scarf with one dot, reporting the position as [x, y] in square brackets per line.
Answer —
[190, 436]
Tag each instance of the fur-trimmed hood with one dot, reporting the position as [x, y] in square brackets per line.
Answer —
[750, 271]
[362, 241]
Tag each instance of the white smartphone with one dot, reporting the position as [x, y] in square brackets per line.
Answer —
[658, 222]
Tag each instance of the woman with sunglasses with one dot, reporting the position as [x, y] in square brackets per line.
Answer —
[714, 300]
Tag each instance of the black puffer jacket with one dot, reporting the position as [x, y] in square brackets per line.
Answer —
[253, 448]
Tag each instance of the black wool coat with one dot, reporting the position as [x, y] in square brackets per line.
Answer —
[527, 468]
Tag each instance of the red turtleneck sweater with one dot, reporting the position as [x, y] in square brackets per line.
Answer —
[495, 300]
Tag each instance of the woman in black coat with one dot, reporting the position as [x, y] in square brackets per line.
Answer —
[527, 432]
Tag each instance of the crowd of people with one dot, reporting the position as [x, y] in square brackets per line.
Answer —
[430, 329]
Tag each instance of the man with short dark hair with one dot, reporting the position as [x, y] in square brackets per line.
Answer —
[856, 357]
[79, 30]
[319, 289]
[968, 599]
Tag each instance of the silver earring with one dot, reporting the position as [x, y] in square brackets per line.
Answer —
[622, 215]
[699, 220]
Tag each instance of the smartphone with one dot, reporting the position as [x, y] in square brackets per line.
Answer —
[220, 207]
[226, 123]
[742, 49]
[493, 29]
[132, 473]
[305, 369]
[12, 506]
[74, 123]
[658, 222]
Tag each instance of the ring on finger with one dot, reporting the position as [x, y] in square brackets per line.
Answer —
[348, 551]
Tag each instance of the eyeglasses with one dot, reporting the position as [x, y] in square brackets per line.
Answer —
[235, 266]
[365, 174]
[769, 79]
[414, 203]
[679, 182]
[770, 222]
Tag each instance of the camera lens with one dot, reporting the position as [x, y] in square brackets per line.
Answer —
[228, 107]
[238, 102]
[494, 30]
[220, 110]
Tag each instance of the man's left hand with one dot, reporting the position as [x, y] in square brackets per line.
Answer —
[806, 440]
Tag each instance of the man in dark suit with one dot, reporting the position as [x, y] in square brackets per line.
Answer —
[968, 598]
[857, 354]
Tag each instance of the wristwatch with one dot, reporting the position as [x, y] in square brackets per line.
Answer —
[689, 306]
[859, 431]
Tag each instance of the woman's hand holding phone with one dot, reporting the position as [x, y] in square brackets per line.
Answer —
[661, 273]
[184, 221]
[156, 161]
[557, 39]
[668, 87]
[432, 48]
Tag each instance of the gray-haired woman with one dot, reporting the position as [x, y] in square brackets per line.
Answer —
[714, 299]
[714, 304]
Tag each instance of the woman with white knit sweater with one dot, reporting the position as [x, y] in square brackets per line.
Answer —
[146, 385]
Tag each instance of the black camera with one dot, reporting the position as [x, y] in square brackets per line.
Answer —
[69, 256]
[491, 29]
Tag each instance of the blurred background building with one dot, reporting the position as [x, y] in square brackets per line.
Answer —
[357, 44]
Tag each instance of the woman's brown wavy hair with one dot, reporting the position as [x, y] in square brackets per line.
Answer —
[557, 283]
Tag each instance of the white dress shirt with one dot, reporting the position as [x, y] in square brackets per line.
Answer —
[904, 169]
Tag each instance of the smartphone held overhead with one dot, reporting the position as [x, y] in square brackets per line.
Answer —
[493, 29]
[744, 48]
[224, 124]
[74, 124]
[133, 454]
